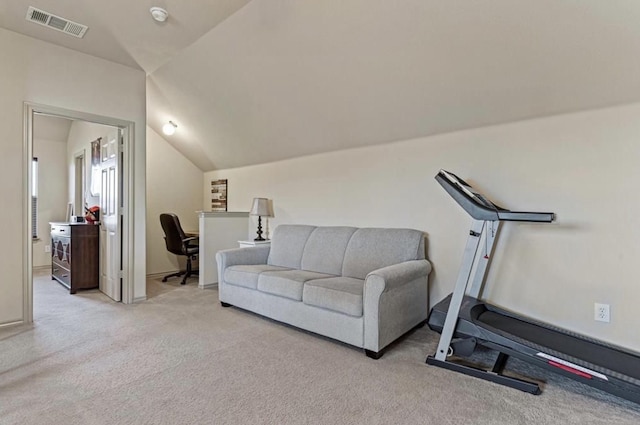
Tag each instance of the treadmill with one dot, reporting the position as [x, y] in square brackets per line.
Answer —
[465, 321]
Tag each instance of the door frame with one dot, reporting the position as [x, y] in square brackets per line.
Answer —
[128, 133]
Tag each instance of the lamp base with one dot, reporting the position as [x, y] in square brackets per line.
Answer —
[259, 238]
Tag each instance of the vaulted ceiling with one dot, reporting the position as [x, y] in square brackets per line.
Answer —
[263, 80]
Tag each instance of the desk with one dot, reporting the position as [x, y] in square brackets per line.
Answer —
[191, 233]
[245, 244]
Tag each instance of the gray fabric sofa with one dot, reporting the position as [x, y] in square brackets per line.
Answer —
[365, 287]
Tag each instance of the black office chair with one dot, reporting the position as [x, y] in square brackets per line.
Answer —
[179, 244]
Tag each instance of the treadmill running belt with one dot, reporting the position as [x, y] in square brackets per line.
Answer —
[588, 351]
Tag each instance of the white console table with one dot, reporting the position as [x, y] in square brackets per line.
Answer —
[218, 231]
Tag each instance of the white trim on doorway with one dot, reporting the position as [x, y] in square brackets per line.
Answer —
[128, 131]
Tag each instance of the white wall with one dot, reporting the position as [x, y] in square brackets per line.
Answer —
[52, 193]
[174, 184]
[583, 166]
[43, 73]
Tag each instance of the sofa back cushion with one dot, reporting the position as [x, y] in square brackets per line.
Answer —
[343, 251]
[325, 248]
[287, 245]
[371, 249]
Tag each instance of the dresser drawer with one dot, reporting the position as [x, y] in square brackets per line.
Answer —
[61, 250]
[61, 274]
[60, 230]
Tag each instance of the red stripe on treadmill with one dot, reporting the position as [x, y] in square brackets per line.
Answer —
[570, 369]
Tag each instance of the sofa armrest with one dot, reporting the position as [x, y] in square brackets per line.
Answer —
[395, 300]
[239, 256]
[396, 275]
[249, 255]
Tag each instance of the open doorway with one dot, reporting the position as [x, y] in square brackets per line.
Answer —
[113, 167]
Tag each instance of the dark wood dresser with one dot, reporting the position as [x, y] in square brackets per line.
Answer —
[75, 255]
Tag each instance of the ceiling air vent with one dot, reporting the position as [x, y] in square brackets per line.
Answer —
[55, 22]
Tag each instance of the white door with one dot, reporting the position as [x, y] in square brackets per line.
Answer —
[110, 216]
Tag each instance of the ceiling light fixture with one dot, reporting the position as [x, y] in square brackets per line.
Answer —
[169, 128]
[159, 14]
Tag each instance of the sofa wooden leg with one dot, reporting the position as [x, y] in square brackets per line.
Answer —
[224, 304]
[375, 355]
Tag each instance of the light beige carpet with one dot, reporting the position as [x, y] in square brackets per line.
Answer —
[180, 358]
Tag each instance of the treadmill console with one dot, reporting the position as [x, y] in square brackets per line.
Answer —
[479, 206]
[468, 190]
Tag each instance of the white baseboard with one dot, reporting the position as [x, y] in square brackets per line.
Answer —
[10, 324]
[160, 274]
[139, 299]
[208, 285]
[42, 268]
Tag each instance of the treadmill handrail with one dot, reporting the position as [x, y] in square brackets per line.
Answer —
[480, 207]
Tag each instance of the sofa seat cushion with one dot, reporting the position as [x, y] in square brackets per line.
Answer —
[287, 283]
[341, 294]
[247, 275]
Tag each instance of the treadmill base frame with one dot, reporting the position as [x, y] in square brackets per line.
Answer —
[491, 376]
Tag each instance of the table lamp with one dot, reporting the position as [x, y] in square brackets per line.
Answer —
[262, 208]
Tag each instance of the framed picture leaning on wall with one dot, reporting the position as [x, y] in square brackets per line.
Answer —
[219, 195]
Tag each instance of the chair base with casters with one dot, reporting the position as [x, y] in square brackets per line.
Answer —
[185, 273]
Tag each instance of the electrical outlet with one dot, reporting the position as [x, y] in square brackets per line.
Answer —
[47, 248]
[602, 313]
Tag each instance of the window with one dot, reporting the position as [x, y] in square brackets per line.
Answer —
[34, 198]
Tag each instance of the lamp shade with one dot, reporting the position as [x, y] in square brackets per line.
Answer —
[261, 207]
